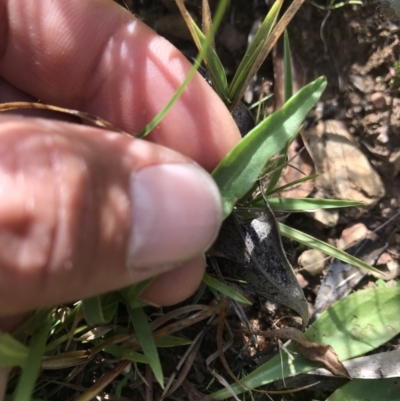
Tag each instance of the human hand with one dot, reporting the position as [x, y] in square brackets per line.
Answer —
[84, 211]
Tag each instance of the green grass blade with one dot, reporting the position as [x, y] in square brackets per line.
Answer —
[31, 371]
[246, 65]
[224, 289]
[204, 49]
[37, 320]
[93, 310]
[290, 184]
[123, 353]
[280, 164]
[214, 66]
[288, 79]
[172, 341]
[12, 352]
[288, 92]
[159, 117]
[371, 390]
[238, 171]
[260, 102]
[132, 293]
[100, 309]
[122, 383]
[348, 326]
[146, 340]
[305, 204]
[265, 50]
[324, 247]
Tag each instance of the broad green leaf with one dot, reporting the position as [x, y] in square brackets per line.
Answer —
[368, 390]
[305, 204]
[100, 309]
[31, 371]
[146, 340]
[324, 247]
[253, 51]
[353, 326]
[238, 171]
[224, 289]
[12, 352]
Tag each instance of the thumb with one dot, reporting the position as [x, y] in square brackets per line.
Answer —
[84, 211]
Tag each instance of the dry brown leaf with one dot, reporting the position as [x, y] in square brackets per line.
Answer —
[323, 354]
[99, 122]
[66, 360]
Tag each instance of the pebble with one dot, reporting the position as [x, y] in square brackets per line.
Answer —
[378, 100]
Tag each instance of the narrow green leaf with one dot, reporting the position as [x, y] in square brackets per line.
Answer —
[123, 353]
[266, 48]
[31, 371]
[122, 383]
[101, 309]
[288, 93]
[224, 289]
[50, 347]
[146, 340]
[279, 165]
[305, 204]
[260, 102]
[288, 80]
[132, 293]
[348, 326]
[290, 184]
[254, 50]
[214, 66]
[171, 341]
[12, 352]
[324, 247]
[241, 167]
[37, 320]
[368, 390]
[202, 52]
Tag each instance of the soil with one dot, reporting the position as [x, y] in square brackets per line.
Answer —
[356, 49]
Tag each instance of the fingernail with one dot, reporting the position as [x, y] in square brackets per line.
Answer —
[176, 214]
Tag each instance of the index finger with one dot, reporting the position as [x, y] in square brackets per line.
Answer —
[96, 57]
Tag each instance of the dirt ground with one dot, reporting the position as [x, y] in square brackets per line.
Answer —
[351, 139]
